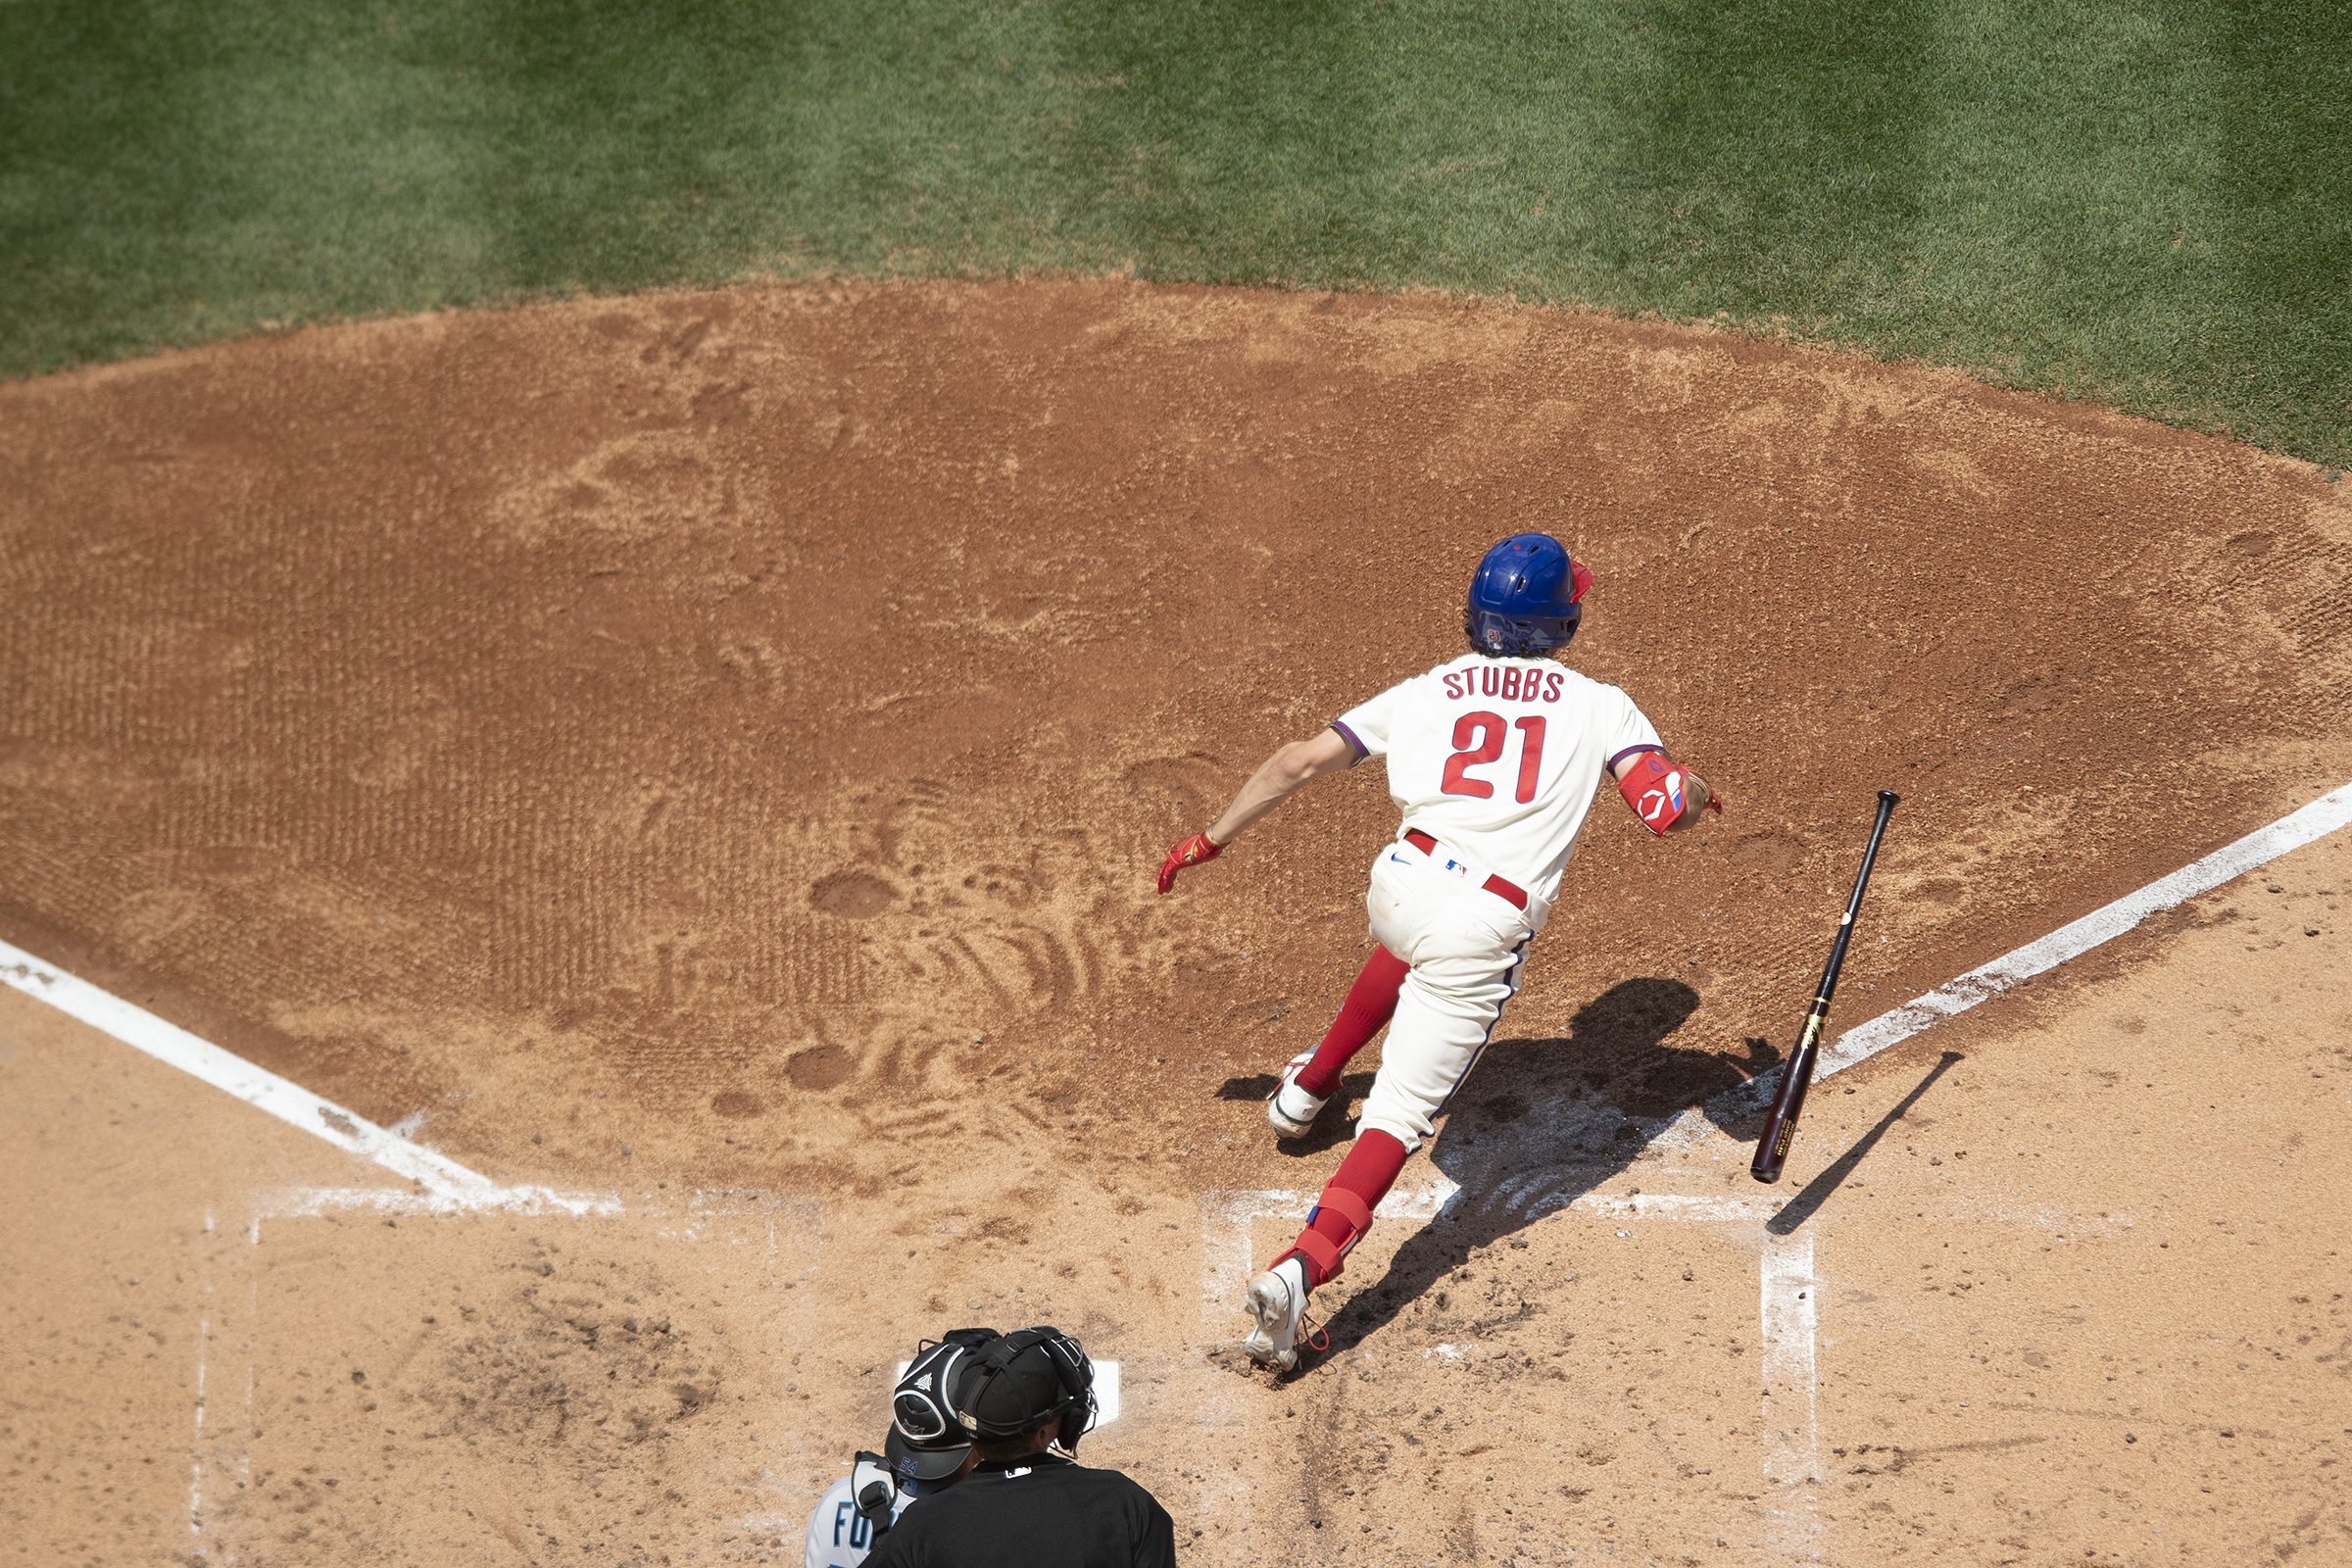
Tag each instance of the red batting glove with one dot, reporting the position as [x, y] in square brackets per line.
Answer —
[1192, 852]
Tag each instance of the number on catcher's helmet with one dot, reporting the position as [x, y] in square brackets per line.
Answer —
[1523, 597]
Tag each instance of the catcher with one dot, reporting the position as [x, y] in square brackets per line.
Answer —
[923, 1454]
[1492, 759]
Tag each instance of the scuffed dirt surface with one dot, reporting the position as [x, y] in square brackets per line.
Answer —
[745, 700]
[723, 740]
[490, 1345]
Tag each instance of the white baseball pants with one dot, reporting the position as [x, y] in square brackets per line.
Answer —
[1466, 947]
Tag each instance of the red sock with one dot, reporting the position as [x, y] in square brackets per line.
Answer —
[1369, 1171]
[1371, 1003]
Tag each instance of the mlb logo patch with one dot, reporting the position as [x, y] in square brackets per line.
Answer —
[1457, 869]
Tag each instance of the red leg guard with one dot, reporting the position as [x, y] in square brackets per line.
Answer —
[1345, 1211]
[1371, 1003]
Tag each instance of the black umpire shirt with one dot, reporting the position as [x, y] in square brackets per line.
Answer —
[1038, 1511]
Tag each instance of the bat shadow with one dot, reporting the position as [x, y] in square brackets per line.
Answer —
[1806, 1204]
[1539, 1123]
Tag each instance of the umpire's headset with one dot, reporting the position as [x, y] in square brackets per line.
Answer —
[1071, 1368]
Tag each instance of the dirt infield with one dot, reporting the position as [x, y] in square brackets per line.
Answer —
[713, 749]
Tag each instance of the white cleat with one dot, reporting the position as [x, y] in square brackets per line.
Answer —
[1277, 1300]
[1293, 1110]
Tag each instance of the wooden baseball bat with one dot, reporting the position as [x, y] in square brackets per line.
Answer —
[1780, 1127]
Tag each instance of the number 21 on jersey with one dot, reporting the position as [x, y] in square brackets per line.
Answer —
[1478, 739]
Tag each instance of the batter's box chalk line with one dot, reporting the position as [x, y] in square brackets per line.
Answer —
[1787, 1322]
[687, 1219]
[1226, 1219]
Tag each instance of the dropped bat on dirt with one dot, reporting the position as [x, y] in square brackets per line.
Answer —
[1780, 1127]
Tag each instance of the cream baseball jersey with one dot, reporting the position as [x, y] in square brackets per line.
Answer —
[1499, 758]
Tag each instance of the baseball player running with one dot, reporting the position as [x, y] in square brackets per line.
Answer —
[1492, 759]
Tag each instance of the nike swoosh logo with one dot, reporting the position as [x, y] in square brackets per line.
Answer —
[1399, 860]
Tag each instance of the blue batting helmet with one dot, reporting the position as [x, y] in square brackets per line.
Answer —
[1523, 597]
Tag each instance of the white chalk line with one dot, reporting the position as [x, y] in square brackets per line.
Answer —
[444, 1178]
[440, 1185]
[2293, 831]
[204, 1329]
[1791, 1409]
[2304, 825]
[1787, 1329]
[1226, 1217]
[436, 1174]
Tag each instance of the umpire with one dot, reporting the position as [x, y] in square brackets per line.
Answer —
[1026, 1400]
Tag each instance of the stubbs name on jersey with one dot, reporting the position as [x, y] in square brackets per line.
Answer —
[1505, 681]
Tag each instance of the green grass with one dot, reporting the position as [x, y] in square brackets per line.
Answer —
[2147, 201]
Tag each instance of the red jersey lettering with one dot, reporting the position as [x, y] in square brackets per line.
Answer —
[1531, 756]
[1491, 730]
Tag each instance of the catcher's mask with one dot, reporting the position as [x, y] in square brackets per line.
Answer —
[1022, 1382]
[1523, 597]
[925, 1442]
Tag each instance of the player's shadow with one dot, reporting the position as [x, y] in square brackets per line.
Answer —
[1540, 1123]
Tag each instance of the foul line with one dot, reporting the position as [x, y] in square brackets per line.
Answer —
[436, 1174]
[2293, 831]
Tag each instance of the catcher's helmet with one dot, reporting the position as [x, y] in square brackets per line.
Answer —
[925, 1442]
[1019, 1383]
[1523, 597]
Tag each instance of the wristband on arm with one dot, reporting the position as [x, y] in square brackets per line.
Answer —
[1656, 787]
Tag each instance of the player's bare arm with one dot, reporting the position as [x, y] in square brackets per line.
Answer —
[1276, 779]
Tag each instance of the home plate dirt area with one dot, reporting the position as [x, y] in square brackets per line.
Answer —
[706, 755]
